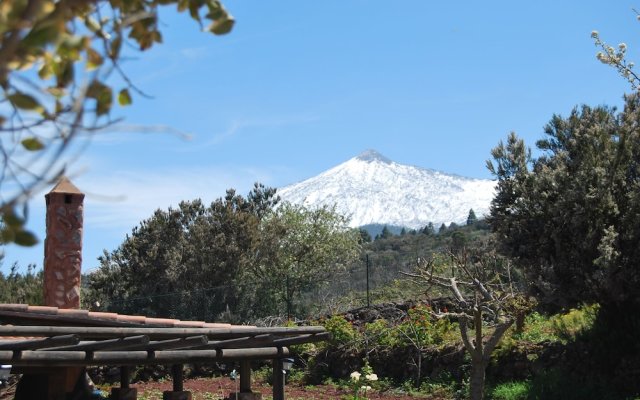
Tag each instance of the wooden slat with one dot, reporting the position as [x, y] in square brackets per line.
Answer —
[317, 337]
[115, 344]
[239, 343]
[180, 343]
[153, 333]
[34, 344]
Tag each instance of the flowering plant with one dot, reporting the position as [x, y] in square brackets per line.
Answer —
[360, 382]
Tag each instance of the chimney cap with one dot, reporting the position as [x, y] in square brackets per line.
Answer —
[64, 185]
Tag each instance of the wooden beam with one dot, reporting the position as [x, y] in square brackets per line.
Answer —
[34, 344]
[70, 358]
[154, 333]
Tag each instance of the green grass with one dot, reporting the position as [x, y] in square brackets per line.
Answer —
[511, 391]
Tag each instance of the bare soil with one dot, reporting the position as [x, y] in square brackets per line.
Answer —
[219, 388]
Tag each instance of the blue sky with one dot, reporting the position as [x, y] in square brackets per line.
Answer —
[300, 86]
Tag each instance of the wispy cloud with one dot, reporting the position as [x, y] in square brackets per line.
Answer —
[194, 53]
[238, 125]
[109, 134]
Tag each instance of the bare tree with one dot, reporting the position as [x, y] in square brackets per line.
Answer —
[488, 303]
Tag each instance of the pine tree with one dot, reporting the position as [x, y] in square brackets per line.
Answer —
[471, 219]
[386, 233]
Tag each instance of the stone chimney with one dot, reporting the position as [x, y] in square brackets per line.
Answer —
[63, 245]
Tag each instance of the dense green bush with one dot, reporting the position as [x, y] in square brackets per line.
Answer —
[511, 391]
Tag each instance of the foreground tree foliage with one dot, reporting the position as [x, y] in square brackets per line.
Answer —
[572, 215]
[571, 219]
[56, 57]
[237, 259]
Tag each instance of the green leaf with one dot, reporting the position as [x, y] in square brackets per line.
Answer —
[103, 96]
[11, 220]
[38, 38]
[7, 235]
[116, 44]
[124, 98]
[64, 73]
[24, 101]
[32, 144]
[222, 26]
[94, 59]
[25, 238]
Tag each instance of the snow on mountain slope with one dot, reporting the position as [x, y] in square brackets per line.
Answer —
[371, 189]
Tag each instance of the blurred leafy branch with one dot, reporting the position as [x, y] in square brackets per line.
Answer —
[56, 58]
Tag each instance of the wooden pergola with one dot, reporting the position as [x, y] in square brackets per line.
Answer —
[46, 338]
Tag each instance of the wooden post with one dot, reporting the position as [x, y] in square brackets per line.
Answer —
[178, 392]
[178, 377]
[124, 392]
[124, 377]
[245, 376]
[278, 380]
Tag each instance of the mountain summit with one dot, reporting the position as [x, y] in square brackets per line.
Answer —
[372, 189]
[373, 156]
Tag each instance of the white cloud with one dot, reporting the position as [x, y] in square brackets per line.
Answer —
[122, 199]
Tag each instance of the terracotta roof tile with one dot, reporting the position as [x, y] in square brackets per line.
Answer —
[103, 315]
[42, 309]
[73, 312]
[189, 324]
[136, 319]
[83, 317]
[64, 185]
[15, 307]
[216, 325]
[160, 321]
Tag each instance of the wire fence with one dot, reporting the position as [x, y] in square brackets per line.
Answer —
[360, 285]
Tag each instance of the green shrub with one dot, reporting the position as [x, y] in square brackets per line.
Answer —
[379, 333]
[567, 326]
[341, 330]
[511, 391]
[537, 328]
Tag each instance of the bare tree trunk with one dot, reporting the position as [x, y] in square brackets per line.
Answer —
[419, 369]
[520, 318]
[476, 387]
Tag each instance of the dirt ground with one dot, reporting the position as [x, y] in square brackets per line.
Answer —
[220, 388]
[216, 388]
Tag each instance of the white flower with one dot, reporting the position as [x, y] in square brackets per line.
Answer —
[372, 377]
[355, 376]
[622, 47]
[365, 388]
[594, 34]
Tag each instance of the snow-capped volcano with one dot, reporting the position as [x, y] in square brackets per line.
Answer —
[371, 189]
